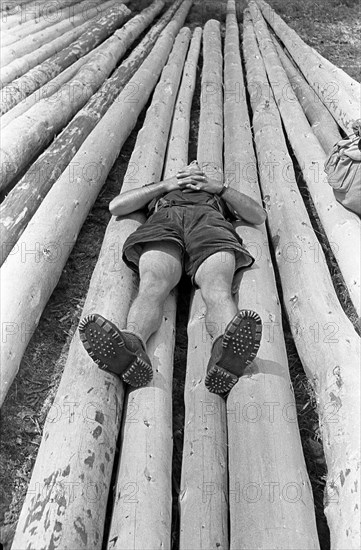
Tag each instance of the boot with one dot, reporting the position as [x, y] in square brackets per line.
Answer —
[234, 351]
[120, 352]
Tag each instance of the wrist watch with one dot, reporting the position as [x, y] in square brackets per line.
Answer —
[225, 186]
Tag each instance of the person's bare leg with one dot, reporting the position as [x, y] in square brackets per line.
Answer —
[160, 269]
[236, 334]
[214, 278]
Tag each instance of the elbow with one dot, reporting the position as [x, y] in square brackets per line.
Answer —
[261, 216]
[257, 216]
[116, 208]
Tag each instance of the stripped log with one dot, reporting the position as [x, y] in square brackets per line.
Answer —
[146, 454]
[111, 289]
[29, 45]
[271, 506]
[54, 227]
[343, 228]
[29, 134]
[99, 31]
[344, 80]
[75, 15]
[203, 495]
[21, 65]
[34, 11]
[320, 119]
[49, 90]
[177, 152]
[22, 201]
[325, 339]
[342, 105]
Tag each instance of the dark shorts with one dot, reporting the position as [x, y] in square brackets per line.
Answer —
[199, 230]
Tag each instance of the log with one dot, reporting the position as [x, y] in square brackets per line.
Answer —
[146, 454]
[49, 89]
[343, 228]
[22, 201]
[203, 492]
[341, 104]
[344, 80]
[271, 506]
[34, 11]
[7, 7]
[99, 31]
[28, 135]
[97, 395]
[177, 151]
[25, 52]
[86, 9]
[325, 339]
[20, 65]
[320, 119]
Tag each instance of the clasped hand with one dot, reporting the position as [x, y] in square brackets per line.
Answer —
[193, 178]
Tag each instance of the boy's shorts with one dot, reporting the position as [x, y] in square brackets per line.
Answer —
[199, 231]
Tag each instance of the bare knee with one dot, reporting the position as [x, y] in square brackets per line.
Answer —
[215, 295]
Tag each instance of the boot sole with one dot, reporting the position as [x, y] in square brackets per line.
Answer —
[241, 342]
[104, 343]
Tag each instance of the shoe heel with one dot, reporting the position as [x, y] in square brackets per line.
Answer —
[219, 380]
[138, 374]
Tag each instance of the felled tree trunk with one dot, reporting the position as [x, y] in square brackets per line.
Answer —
[22, 201]
[270, 496]
[33, 11]
[27, 58]
[28, 135]
[87, 436]
[146, 454]
[28, 47]
[343, 106]
[20, 88]
[322, 123]
[325, 339]
[343, 228]
[49, 89]
[346, 82]
[75, 14]
[203, 492]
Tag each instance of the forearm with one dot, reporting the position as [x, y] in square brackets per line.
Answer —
[247, 208]
[135, 199]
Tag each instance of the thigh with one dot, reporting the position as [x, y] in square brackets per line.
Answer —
[208, 234]
[164, 226]
[216, 272]
[160, 266]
